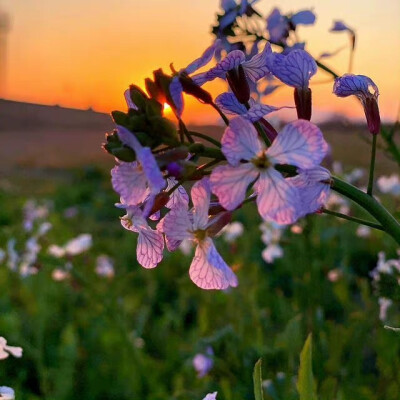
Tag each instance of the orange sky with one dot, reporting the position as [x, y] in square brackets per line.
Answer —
[81, 53]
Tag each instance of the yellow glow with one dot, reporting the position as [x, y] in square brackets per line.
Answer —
[166, 108]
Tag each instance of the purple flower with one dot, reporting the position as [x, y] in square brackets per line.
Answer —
[295, 69]
[314, 189]
[300, 144]
[202, 363]
[175, 87]
[304, 17]
[134, 181]
[228, 103]
[340, 26]
[255, 69]
[150, 243]
[211, 396]
[208, 270]
[366, 91]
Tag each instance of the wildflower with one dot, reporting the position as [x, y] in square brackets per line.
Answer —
[32, 211]
[389, 184]
[229, 104]
[150, 243]
[208, 270]
[182, 81]
[5, 350]
[334, 275]
[300, 143]
[271, 235]
[202, 363]
[56, 251]
[232, 231]
[6, 393]
[235, 69]
[60, 274]
[366, 91]
[363, 231]
[296, 69]
[78, 245]
[211, 396]
[384, 305]
[104, 266]
[272, 252]
[134, 181]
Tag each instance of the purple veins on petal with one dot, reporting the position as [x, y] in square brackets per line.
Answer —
[178, 196]
[208, 270]
[204, 59]
[304, 17]
[295, 69]
[201, 194]
[229, 104]
[256, 68]
[300, 143]
[277, 199]
[175, 90]
[359, 85]
[150, 246]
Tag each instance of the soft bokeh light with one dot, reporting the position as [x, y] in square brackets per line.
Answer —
[85, 53]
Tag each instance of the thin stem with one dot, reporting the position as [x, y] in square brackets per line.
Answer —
[182, 128]
[223, 116]
[327, 69]
[353, 219]
[205, 137]
[372, 166]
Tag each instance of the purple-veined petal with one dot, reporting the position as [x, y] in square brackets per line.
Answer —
[201, 194]
[257, 111]
[230, 183]
[171, 244]
[231, 61]
[257, 68]
[295, 69]
[154, 176]
[305, 17]
[208, 270]
[295, 46]
[340, 26]
[175, 90]
[176, 224]
[178, 196]
[277, 26]
[359, 85]
[128, 99]
[277, 199]
[150, 246]
[129, 139]
[300, 143]
[129, 181]
[229, 104]
[203, 60]
[314, 189]
[200, 79]
[240, 141]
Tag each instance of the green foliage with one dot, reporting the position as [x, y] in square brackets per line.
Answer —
[305, 382]
[257, 381]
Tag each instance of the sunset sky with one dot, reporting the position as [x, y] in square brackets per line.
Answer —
[82, 53]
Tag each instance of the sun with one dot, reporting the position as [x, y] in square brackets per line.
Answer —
[166, 107]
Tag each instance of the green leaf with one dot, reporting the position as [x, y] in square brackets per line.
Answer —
[305, 382]
[257, 380]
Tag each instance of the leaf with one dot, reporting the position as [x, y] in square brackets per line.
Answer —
[257, 381]
[305, 382]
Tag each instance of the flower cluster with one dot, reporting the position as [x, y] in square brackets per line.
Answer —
[178, 186]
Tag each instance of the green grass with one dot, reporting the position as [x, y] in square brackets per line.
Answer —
[134, 337]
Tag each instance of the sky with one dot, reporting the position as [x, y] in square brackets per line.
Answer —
[85, 53]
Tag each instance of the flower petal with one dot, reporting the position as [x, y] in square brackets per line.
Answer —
[129, 139]
[295, 69]
[229, 104]
[128, 99]
[258, 111]
[359, 85]
[240, 141]
[277, 199]
[305, 17]
[154, 176]
[257, 68]
[203, 60]
[150, 246]
[201, 194]
[230, 183]
[277, 26]
[300, 143]
[178, 196]
[208, 270]
[175, 90]
[176, 224]
[129, 181]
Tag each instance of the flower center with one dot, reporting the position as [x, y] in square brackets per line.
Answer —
[261, 161]
[200, 234]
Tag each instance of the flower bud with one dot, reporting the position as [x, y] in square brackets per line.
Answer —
[238, 83]
[268, 129]
[190, 87]
[303, 101]
[160, 201]
[371, 111]
[173, 155]
[175, 169]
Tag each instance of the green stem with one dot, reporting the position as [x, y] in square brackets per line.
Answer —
[205, 137]
[353, 219]
[372, 166]
[223, 116]
[203, 151]
[374, 208]
[327, 69]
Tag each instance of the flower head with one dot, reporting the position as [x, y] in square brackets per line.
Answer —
[6, 350]
[300, 144]
[366, 91]
[208, 270]
[7, 393]
[211, 396]
[202, 363]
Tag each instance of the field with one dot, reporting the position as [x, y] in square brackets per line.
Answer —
[134, 335]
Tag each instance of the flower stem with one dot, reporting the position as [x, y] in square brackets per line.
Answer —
[223, 116]
[353, 219]
[205, 137]
[372, 166]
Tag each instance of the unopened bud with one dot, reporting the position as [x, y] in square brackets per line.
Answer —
[268, 129]
[371, 110]
[195, 90]
[238, 83]
[173, 155]
[160, 201]
[303, 101]
[218, 222]
[175, 169]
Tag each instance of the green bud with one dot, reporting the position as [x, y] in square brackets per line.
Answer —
[153, 108]
[120, 118]
[163, 129]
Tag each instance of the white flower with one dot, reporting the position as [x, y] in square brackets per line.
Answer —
[56, 251]
[105, 266]
[389, 184]
[5, 350]
[232, 231]
[363, 231]
[272, 252]
[78, 245]
[6, 393]
[384, 304]
[211, 396]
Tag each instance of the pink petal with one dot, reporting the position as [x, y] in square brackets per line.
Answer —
[176, 224]
[240, 141]
[208, 270]
[277, 200]
[178, 196]
[201, 203]
[150, 246]
[230, 183]
[154, 176]
[300, 143]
